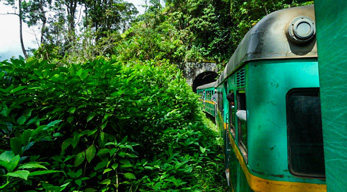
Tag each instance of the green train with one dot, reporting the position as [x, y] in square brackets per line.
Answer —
[207, 98]
[268, 107]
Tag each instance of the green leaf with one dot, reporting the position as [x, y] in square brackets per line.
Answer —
[129, 176]
[122, 154]
[100, 165]
[75, 139]
[130, 155]
[5, 111]
[21, 120]
[149, 167]
[78, 173]
[79, 72]
[113, 151]
[102, 152]
[17, 89]
[62, 187]
[105, 182]
[23, 174]
[117, 93]
[66, 144]
[57, 134]
[202, 149]
[125, 163]
[16, 145]
[79, 158]
[25, 136]
[53, 123]
[90, 116]
[36, 173]
[104, 124]
[90, 190]
[32, 165]
[102, 138]
[90, 153]
[107, 170]
[72, 110]
[9, 160]
[48, 187]
[71, 174]
[114, 166]
[78, 182]
[33, 120]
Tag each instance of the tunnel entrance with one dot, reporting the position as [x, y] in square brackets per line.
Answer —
[204, 78]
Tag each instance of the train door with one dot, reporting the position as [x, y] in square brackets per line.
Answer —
[226, 135]
[233, 165]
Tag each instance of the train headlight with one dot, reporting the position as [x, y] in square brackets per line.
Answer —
[301, 30]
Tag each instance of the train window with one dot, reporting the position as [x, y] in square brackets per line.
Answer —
[232, 110]
[242, 124]
[220, 101]
[305, 138]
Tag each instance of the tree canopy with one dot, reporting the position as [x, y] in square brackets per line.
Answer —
[179, 31]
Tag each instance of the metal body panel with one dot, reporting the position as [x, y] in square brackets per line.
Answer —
[332, 49]
[268, 85]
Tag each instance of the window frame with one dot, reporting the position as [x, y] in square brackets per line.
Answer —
[243, 148]
[308, 92]
[232, 114]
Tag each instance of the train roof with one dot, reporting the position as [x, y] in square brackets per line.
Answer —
[270, 39]
[209, 85]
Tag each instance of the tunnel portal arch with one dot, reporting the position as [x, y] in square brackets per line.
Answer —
[204, 78]
[199, 73]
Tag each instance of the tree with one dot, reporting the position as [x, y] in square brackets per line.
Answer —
[35, 14]
[105, 16]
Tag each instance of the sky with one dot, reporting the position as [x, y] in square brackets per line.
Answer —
[9, 32]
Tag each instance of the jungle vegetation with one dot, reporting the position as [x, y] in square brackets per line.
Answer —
[101, 105]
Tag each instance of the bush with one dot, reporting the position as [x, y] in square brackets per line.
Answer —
[102, 126]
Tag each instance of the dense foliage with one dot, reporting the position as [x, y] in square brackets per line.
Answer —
[102, 125]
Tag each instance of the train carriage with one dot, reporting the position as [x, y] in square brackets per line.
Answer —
[207, 97]
[268, 107]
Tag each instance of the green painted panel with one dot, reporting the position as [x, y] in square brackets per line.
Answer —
[242, 185]
[268, 83]
[331, 18]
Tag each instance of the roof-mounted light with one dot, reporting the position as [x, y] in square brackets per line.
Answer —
[301, 30]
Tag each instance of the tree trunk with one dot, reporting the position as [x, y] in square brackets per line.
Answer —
[21, 30]
[71, 10]
[44, 21]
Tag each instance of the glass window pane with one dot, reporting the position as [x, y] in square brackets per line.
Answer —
[241, 105]
[232, 113]
[305, 139]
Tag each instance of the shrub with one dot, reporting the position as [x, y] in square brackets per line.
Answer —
[102, 126]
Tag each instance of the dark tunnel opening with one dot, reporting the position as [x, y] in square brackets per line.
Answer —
[204, 78]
